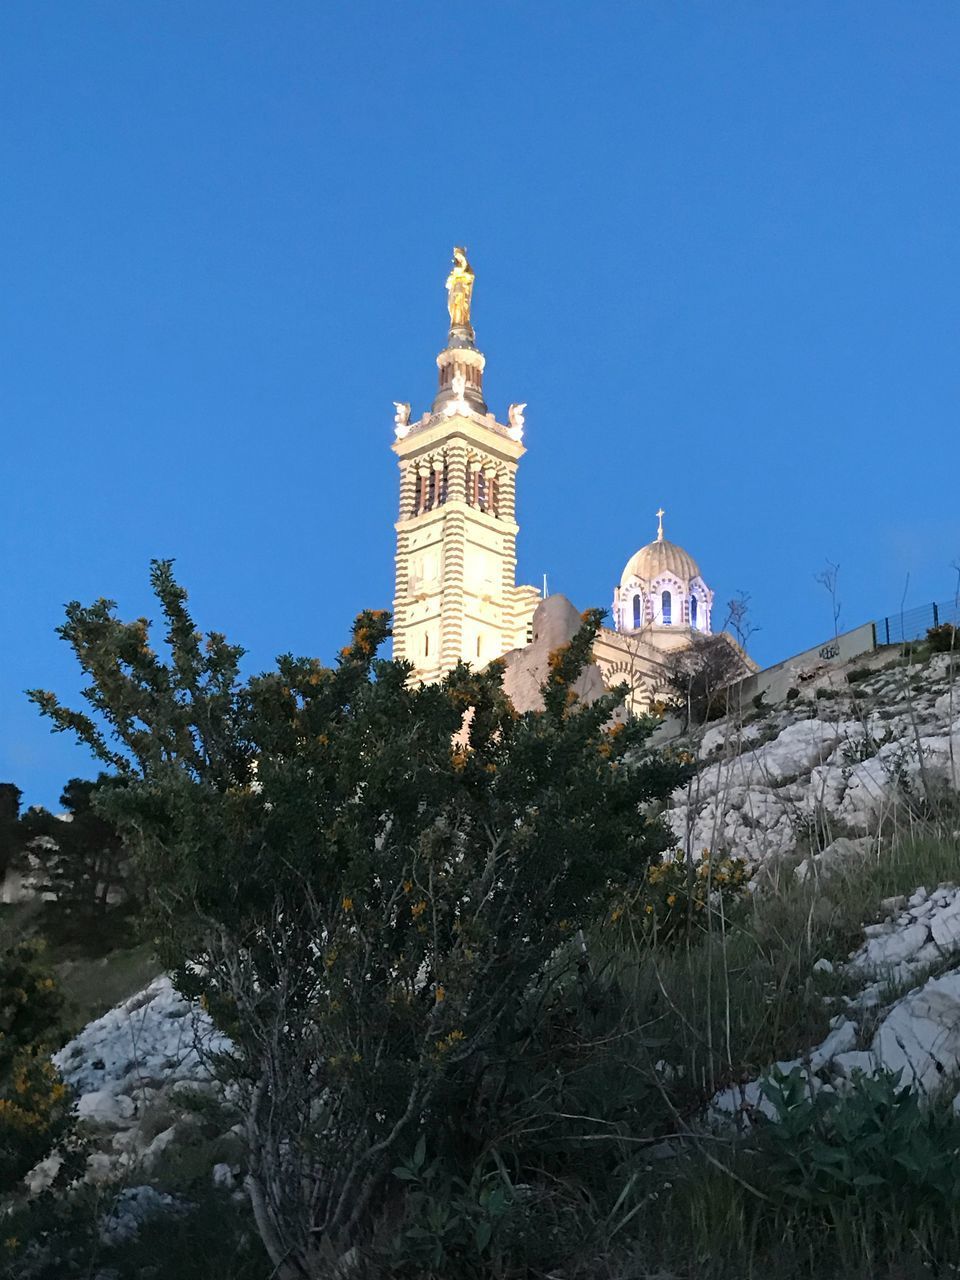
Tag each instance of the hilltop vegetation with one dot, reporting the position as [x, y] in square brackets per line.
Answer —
[502, 997]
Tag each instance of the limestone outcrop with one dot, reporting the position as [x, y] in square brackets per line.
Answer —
[555, 622]
[133, 1072]
[837, 760]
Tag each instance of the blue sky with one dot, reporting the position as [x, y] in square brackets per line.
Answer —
[717, 253]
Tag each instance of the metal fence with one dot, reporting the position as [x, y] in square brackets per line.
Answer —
[913, 624]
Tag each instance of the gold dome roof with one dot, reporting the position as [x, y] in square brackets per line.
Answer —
[661, 557]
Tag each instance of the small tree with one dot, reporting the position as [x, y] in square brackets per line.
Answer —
[364, 891]
[80, 865]
[829, 579]
[11, 835]
[701, 675]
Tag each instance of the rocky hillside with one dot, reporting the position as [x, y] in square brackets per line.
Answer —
[853, 751]
[802, 791]
[853, 760]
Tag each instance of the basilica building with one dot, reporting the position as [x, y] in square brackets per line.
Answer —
[456, 592]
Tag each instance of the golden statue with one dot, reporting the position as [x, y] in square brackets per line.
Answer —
[459, 291]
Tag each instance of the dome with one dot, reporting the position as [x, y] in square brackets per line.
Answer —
[661, 557]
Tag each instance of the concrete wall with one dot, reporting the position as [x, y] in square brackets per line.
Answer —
[774, 681]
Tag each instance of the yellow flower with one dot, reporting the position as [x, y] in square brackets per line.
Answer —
[11, 1242]
[449, 1041]
[418, 908]
[407, 886]
[347, 904]
[649, 909]
[671, 899]
[441, 995]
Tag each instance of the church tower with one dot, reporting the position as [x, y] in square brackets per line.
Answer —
[456, 594]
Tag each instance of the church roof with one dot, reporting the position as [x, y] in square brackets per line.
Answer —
[659, 557]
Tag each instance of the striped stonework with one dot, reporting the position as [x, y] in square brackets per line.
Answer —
[456, 596]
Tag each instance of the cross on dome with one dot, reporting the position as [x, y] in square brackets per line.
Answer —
[660, 514]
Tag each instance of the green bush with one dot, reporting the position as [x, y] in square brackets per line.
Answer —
[942, 639]
[863, 1185]
[34, 1102]
[675, 901]
[57, 1237]
[859, 674]
[879, 1142]
[561, 1107]
[379, 888]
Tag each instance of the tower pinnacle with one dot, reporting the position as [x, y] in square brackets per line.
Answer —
[459, 293]
[460, 363]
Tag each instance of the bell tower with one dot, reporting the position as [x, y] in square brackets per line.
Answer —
[456, 594]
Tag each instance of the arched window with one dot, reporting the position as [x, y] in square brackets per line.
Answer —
[431, 488]
[637, 611]
[666, 607]
[693, 610]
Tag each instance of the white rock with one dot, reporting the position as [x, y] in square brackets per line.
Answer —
[839, 853]
[854, 1060]
[131, 1209]
[741, 1101]
[223, 1176]
[103, 1107]
[840, 1040]
[101, 1168]
[920, 1036]
[945, 924]
[947, 705]
[823, 966]
[795, 750]
[894, 904]
[41, 1176]
[126, 1140]
[885, 952]
[156, 1148]
[155, 1035]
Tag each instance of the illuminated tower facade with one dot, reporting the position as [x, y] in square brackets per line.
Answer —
[456, 594]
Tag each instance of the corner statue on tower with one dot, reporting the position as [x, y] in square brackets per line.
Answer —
[459, 291]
